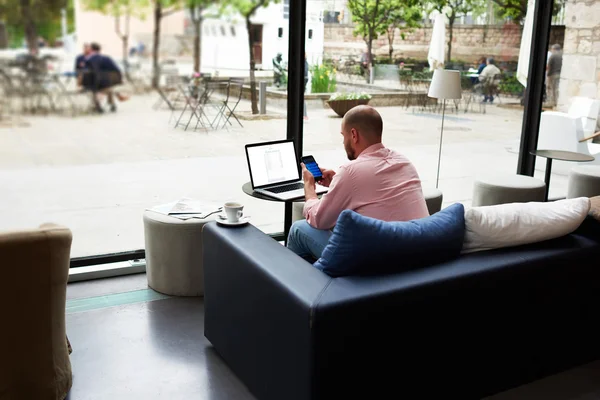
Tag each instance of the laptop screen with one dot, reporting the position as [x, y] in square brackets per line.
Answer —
[272, 163]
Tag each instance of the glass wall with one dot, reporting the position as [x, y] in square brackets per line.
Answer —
[64, 162]
[96, 169]
[482, 129]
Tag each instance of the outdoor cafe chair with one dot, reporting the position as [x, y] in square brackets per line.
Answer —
[195, 102]
[235, 92]
[226, 107]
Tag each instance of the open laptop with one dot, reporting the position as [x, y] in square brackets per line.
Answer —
[275, 170]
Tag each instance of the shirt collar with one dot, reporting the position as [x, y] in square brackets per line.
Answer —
[371, 149]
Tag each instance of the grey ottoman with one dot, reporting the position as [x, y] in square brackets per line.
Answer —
[297, 209]
[174, 254]
[502, 189]
[584, 181]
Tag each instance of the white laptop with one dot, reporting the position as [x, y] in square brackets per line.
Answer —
[275, 170]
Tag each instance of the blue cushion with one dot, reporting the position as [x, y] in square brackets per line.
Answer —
[365, 246]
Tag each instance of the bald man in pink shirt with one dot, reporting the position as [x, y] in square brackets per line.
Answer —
[377, 183]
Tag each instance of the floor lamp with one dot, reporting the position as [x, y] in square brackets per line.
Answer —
[445, 85]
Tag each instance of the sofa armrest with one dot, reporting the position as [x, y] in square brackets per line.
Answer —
[258, 303]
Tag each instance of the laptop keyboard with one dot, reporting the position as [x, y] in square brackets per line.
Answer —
[286, 188]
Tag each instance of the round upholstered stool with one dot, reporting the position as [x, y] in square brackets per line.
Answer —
[174, 254]
[502, 189]
[584, 181]
[433, 198]
[297, 209]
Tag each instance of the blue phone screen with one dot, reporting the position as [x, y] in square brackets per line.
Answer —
[313, 168]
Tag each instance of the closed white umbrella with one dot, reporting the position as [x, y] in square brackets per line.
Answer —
[437, 54]
[525, 50]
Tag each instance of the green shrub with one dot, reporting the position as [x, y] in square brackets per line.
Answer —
[510, 85]
[323, 78]
[423, 75]
[405, 73]
[350, 96]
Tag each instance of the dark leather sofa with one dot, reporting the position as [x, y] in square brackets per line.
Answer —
[471, 327]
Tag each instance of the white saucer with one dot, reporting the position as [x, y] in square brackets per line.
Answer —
[222, 220]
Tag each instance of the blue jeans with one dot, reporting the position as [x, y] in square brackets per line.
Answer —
[306, 241]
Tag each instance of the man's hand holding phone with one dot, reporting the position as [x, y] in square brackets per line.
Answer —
[328, 175]
[307, 176]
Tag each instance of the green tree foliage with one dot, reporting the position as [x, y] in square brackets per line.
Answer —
[404, 16]
[371, 18]
[247, 8]
[517, 9]
[377, 17]
[33, 17]
[454, 9]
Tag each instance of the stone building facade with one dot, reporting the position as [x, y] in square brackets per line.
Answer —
[470, 42]
[580, 75]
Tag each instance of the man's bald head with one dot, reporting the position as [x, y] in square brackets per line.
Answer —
[366, 120]
[362, 127]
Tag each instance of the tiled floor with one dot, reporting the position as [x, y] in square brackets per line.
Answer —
[145, 350]
[126, 347]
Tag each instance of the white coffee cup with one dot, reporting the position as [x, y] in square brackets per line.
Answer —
[234, 211]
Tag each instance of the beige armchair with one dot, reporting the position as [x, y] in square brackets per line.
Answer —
[34, 362]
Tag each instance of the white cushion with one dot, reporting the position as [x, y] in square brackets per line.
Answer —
[515, 224]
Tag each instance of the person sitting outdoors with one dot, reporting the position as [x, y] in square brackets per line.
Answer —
[80, 63]
[482, 65]
[488, 79]
[104, 75]
[377, 183]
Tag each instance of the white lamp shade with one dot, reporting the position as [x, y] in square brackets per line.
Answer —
[445, 84]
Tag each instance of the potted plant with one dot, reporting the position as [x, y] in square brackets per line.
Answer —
[341, 103]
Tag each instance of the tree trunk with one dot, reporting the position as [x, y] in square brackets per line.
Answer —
[125, 40]
[451, 20]
[29, 23]
[391, 42]
[197, 42]
[156, 45]
[124, 36]
[3, 36]
[371, 61]
[253, 99]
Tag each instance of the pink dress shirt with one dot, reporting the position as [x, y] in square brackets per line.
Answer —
[380, 184]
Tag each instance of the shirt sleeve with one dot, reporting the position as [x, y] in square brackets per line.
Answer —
[323, 213]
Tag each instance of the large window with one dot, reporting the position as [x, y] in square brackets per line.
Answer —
[96, 172]
[482, 129]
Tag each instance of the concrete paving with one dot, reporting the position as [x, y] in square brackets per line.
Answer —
[97, 174]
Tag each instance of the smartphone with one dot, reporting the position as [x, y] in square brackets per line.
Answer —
[313, 167]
